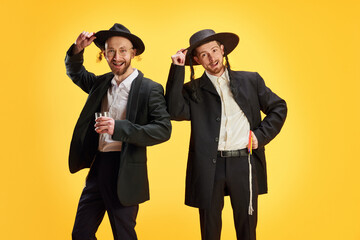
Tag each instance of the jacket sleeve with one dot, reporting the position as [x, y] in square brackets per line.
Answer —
[156, 131]
[177, 99]
[275, 110]
[77, 72]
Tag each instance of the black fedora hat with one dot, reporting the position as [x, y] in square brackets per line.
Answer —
[122, 31]
[229, 40]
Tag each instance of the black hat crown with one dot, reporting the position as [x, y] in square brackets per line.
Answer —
[229, 40]
[200, 35]
[119, 30]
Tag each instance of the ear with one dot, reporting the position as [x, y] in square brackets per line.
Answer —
[222, 49]
[196, 59]
[133, 54]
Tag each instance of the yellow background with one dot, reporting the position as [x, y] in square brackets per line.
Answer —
[307, 52]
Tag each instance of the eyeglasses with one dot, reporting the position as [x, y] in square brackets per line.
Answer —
[121, 52]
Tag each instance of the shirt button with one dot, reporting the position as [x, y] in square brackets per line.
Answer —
[218, 119]
[214, 160]
[216, 139]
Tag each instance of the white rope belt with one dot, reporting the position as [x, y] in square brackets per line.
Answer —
[251, 209]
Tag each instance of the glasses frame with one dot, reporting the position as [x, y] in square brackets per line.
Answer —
[121, 51]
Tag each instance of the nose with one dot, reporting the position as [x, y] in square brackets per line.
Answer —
[117, 55]
[211, 57]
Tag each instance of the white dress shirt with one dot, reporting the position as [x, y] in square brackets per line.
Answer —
[235, 127]
[115, 103]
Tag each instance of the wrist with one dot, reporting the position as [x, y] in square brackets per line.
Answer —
[76, 49]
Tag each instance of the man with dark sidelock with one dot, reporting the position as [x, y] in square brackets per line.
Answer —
[115, 147]
[228, 135]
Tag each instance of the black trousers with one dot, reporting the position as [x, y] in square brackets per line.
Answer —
[231, 178]
[100, 195]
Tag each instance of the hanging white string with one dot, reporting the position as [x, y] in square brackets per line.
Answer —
[251, 209]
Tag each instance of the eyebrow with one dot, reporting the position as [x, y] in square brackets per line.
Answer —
[122, 47]
[210, 49]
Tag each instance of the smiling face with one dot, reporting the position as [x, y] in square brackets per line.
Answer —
[211, 56]
[118, 53]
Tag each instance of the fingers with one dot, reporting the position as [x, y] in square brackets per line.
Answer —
[85, 39]
[178, 60]
[181, 50]
[88, 37]
[92, 38]
[179, 57]
[85, 35]
[184, 51]
[82, 36]
[104, 125]
[254, 141]
[103, 121]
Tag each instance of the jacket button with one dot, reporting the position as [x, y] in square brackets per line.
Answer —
[214, 160]
[218, 119]
[216, 139]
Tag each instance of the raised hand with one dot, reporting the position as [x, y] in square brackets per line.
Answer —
[179, 57]
[82, 41]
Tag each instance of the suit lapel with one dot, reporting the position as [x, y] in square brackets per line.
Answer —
[131, 109]
[132, 104]
[94, 100]
[240, 96]
[206, 84]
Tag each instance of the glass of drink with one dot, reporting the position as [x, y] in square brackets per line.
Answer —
[101, 114]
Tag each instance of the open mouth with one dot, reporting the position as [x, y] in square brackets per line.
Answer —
[118, 64]
[214, 64]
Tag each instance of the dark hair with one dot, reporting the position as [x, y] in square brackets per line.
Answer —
[232, 87]
[194, 84]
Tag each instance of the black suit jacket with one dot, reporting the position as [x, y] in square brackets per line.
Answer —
[252, 97]
[147, 123]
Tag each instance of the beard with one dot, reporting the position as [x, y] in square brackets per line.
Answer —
[218, 69]
[122, 70]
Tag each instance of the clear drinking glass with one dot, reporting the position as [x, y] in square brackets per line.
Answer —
[101, 114]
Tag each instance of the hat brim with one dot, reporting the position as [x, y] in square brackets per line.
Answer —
[229, 40]
[102, 36]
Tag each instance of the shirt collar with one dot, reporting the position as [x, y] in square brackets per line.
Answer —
[126, 83]
[214, 79]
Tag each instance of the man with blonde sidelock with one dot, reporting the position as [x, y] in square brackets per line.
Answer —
[114, 147]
